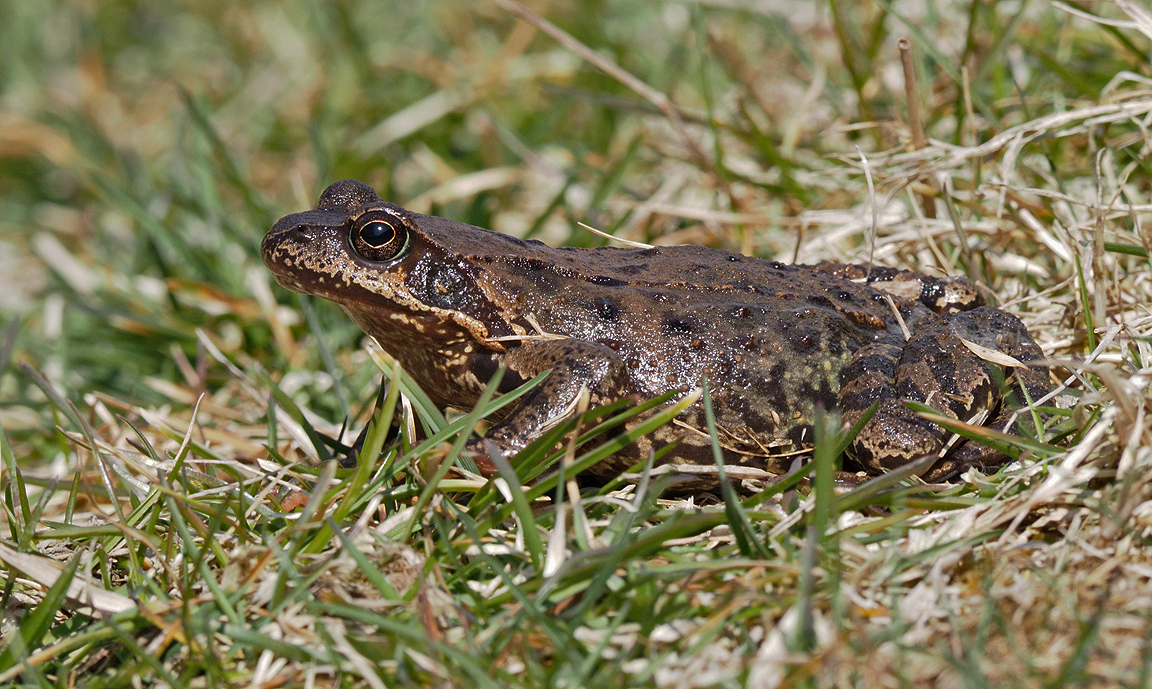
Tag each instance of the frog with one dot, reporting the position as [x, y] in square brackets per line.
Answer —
[775, 342]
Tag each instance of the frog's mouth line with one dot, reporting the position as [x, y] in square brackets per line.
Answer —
[368, 302]
[290, 281]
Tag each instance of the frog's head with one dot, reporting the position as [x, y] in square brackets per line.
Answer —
[387, 266]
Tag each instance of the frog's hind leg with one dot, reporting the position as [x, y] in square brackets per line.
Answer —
[937, 368]
[895, 435]
[998, 330]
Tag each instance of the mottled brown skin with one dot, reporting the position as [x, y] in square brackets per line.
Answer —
[453, 303]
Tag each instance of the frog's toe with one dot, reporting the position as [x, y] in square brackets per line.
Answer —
[971, 453]
[968, 455]
[480, 451]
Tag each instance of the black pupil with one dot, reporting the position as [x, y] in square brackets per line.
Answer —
[377, 233]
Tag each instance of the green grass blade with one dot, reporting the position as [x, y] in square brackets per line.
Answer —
[742, 530]
[457, 447]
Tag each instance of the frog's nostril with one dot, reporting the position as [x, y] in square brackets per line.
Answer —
[304, 232]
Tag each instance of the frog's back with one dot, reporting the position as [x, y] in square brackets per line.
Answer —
[771, 338]
[650, 299]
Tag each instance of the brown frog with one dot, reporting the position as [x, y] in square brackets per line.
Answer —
[453, 303]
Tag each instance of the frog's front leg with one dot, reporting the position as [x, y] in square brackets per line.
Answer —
[574, 365]
[936, 368]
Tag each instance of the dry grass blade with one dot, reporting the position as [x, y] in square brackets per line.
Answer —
[86, 596]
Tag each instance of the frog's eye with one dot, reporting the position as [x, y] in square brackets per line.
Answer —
[379, 240]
